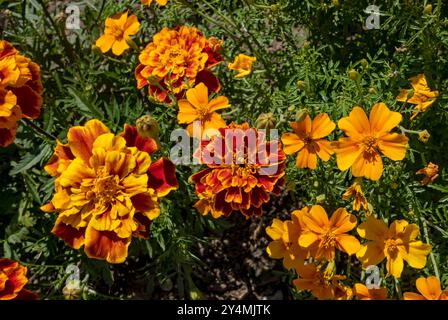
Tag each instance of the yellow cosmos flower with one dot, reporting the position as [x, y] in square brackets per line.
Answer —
[422, 96]
[429, 288]
[355, 191]
[242, 64]
[431, 172]
[307, 139]
[197, 107]
[328, 234]
[119, 29]
[396, 244]
[364, 293]
[285, 244]
[159, 2]
[104, 194]
[367, 139]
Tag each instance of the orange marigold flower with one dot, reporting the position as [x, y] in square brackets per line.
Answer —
[367, 139]
[429, 288]
[323, 284]
[20, 91]
[242, 64]
[107, 189]
[307, 139]
[422, 96]
[431, 172]
[197, 107]
[13, 280]
[175, 60]
[159, 2]
[328, 234]
[119, 28]
[364, 293]
[285, 244]
[243, 170]
[397, 244]
[355, 191]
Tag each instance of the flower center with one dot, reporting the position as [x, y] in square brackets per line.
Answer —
[307, 139]
[392, 247]
[328, 240]
[106, 187]
[369, 143]
[117, 33]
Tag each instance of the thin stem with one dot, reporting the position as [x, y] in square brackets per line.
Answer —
[39, 130]
[398, 288]
[433, 260]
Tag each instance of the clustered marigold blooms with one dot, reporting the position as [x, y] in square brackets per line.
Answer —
[429, 289]
[13, 280]
[176, 60]
[420, 95]
[242, 64]
[243, 170]
[107, 189]
[308, 140]
[431, 172]
[367, 139]
[119, 28]
[20, 91]
[396, 244]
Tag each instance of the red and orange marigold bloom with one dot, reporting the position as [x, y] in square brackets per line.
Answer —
[328, 234]
[176, 60]
[20, 91]
[308, 140]
[107, 189]
[243, 170]
[429, 289]
[367, 139]
[13, 280]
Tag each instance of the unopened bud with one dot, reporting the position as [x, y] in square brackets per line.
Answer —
[148, 127]
[301, 85]
[265, 121]
[353, 74]
[427, 9]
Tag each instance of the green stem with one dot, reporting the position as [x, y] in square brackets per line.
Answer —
[39, 130]
[433, 260]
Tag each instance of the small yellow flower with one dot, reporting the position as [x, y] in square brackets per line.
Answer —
[424, 136]
[117, 33]
[364, 293]
[242, 64]
[396, 243]
[429, 288]
[328, 234]
[431, 172]
[308, 140]
[355, 191]
[422, 95]
[197, 107]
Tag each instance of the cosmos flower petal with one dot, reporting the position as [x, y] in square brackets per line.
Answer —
[382, 119]
[393, 146]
